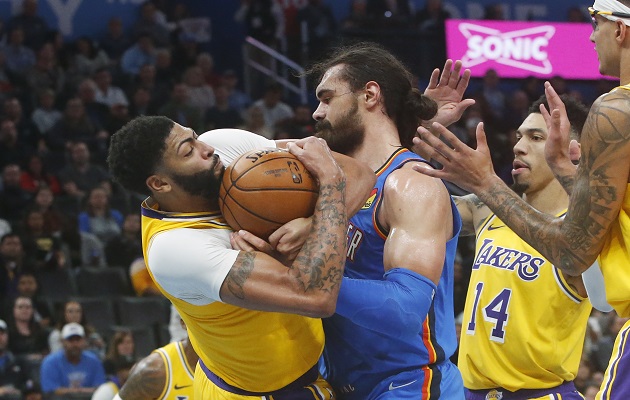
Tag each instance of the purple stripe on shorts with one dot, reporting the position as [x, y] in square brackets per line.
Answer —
[616, 385]
[567, 390]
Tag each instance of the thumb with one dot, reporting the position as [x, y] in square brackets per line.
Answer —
[574, 151]
[482, 143]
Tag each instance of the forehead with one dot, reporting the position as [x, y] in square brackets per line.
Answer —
[533, 121]
[331, 80]
[177, 134]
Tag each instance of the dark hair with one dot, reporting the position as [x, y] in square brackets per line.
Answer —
[136, 151]
[364, 62]
[576, 111]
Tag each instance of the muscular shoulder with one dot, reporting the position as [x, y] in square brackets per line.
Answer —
[146, 379]
[609, 117]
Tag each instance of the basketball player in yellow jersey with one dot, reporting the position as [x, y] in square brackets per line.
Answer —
[524, 320]
[597, 224]
[252, 320]
[165, 374]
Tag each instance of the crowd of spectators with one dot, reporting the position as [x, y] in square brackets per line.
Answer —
[60, 102]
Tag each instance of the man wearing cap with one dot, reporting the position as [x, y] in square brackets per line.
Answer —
[71, 370]
[12, 375]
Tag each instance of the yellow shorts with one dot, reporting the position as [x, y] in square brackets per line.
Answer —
[206, 389]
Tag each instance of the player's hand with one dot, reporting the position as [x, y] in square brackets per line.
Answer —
[316, 157]
[247, 241]
[447, 90]
[289, 238]
[470, 169]
[560, 150]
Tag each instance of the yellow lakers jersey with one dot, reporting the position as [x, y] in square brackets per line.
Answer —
[179, 374]
[253, 350]
[523, 325]
[614, 260]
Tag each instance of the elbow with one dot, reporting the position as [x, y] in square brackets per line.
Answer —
[322, 306]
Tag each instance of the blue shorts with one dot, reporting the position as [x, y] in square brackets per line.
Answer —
[566, 391]
[440, 381]
[616, 384]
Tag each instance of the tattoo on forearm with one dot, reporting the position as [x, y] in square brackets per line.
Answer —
[239, 273]
[566, 182]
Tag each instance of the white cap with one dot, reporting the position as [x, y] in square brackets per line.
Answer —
[72, 329]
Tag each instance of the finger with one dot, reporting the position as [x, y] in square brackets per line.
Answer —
[433, 81]
[238, 243]
[255, 241]
[427, 151]
[274, 238]
[439, 151]
[440, 130]
[425, 170]
[552, 97]
[463, 105]
[574, 151]
[545, 114]
[446, 72]
[455, 77]
[482, 143]
[295, 149]
[462, 85]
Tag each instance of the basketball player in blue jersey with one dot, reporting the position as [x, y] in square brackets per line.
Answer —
[249, 317]
[393, 331]
[597, 223]
[501, 353]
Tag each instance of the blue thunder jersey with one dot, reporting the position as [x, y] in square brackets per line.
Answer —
[357, 359]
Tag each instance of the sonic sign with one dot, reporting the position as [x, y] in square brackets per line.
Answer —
[521, 49]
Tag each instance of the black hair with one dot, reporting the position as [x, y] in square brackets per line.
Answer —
[576, 112]
[364, 62]
[136, 151]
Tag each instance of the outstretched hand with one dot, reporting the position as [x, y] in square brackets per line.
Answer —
[560, 150]
[447, 90]
[470, 169]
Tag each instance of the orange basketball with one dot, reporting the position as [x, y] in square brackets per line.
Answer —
[264, 189]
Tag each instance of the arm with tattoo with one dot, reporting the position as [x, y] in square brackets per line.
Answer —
[472, 211]
[147, 379]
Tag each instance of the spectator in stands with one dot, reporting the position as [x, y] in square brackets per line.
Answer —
[13, 377]
[164, 70]
[239, 100]
[34, 176]
[85, 249]
[14, 149]
[44, 248]
[71, 370]
[28, 338]
[13, 199]
[185, 52]
[141, 53]
[143, 284]
[115, 41]
[147, 79]
[28, 286]
[72, 312]
[80, 175]
[99, 218]
[117, 117]
[516, 110]
[88, 58]
[123, 249]
[10, 83]
[12, 110]
[255, 122]
[35, 28]
[19, 58]
[222, 115]
[115, 380]
[494, 12]
[142, 103]
[604, 347]
[273, 108]
[106, 93]
[121, 348]
[33, 391]
[13, 262]
[44, 201]
[95, 111]
[178, 110]
[299, 126]
[46, 115]
[46, 73]
[73, 128]
[200, 94]
[205, 61]
[150, 23]
[320, 24]
[263, 20]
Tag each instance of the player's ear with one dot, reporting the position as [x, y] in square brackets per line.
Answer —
[157, 184]
[372, 95]
[621, 32]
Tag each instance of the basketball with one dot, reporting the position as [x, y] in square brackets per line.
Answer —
[264, 189]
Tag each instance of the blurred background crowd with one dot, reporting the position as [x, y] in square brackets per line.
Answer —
[70, 247]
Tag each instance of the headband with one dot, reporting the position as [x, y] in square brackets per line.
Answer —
[615, 6]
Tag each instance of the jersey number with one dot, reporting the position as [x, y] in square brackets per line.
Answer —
[495, 312]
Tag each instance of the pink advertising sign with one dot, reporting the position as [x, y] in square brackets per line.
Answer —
[518, 49]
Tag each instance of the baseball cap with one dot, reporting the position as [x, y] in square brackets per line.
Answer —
[3, 325]
[72, 329]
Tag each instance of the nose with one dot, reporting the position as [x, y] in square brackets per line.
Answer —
[207, 150]
[520, 146]
[320, 112]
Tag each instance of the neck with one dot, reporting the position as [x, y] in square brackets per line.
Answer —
[550, 200]
[380, 141]
[186, 203]
[191, 356]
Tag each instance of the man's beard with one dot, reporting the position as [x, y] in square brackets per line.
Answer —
[346, 136]
[204, 183]
[519, 188]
